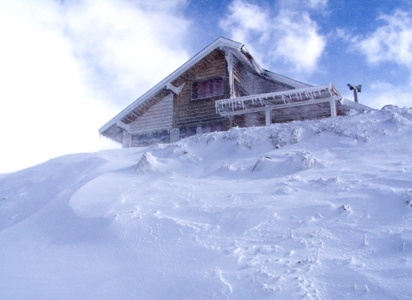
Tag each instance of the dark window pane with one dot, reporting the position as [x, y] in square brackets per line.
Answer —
[207, 88]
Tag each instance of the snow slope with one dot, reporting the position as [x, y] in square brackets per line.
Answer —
[303, 210]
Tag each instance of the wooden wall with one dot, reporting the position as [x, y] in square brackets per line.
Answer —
[149, 138]
[157, 117]
[201, 113]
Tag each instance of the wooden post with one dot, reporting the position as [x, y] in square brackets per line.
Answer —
[267, 115]
[127, 139]
[333, 112]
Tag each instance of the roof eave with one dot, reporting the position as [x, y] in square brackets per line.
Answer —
[355, 105]
[220, 42]
[287, 80]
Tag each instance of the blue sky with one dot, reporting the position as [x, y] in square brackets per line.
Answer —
[67, 67]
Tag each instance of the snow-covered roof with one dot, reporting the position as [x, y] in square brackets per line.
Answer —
[236, 48]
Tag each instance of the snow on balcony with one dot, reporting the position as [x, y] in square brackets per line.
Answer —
[276, 100]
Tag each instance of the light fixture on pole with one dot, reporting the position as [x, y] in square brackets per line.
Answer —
[356, 89]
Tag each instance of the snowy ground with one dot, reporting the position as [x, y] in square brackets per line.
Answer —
[304, 210]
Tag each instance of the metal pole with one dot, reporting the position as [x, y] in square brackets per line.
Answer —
[355, 89]
[355, 95]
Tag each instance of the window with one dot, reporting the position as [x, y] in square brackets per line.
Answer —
[207, 88]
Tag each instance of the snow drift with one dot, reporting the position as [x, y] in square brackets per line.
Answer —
[315, 210]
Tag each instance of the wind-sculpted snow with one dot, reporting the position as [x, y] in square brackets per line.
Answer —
[302, 210]
[26, 192]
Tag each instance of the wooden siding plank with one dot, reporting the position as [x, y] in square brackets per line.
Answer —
[157, 117]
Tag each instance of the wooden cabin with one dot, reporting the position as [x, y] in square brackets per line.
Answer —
[220, 87]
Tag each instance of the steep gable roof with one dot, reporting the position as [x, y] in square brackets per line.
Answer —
[111, 130]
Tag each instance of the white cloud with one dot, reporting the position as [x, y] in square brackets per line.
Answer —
[45, 110]
[318, 4]
[299, 5]
[245, 20]
[302, 48]
[136, 44]
[383, 93]
[51, 103]
[391, 42]
[289, 37]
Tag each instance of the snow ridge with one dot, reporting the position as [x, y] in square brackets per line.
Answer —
[315, 210]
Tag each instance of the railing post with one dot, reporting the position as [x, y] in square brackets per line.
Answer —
[333, 112]
[267, 115]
